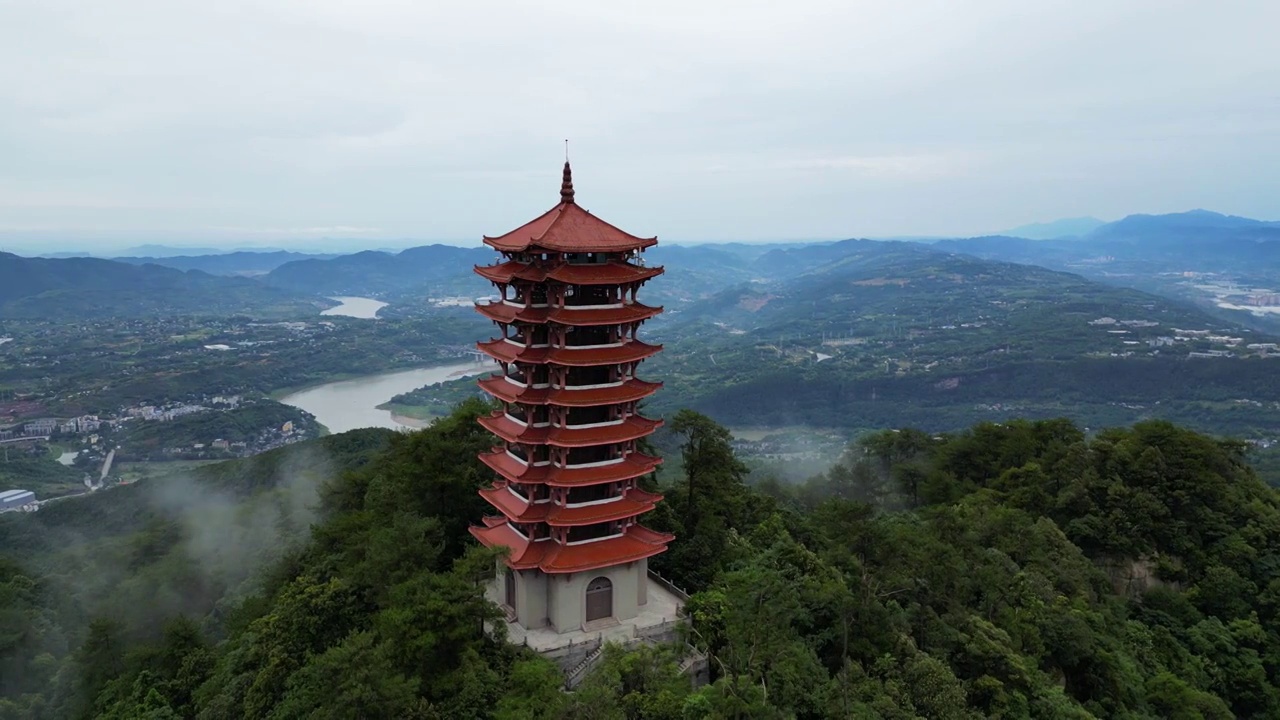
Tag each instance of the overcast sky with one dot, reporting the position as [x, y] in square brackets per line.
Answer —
[234, 123]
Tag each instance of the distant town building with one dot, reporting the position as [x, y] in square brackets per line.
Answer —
[14, 499]
[44, 426]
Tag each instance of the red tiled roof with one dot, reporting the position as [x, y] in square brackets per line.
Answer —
[568, 228]
[633, 502]
[503, 351]
[510, 270]
[549, 556]
[636, 543]
[505, 313]
[629, 391]
[610, 273]
[627, 313]
[635, 465]
[629, 429]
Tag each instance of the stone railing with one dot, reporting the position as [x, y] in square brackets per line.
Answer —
[669, 586]
[574, 677]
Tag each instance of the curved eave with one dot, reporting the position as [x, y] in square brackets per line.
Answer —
[628, 352]
[511, 270]
[525, 554]
[635, 465]
[568, 227]
[637, 543]
[611, 273]
[629, 391]
[632, 428]
[503, 313]
[632, 503]
[513, 507]
[586, 317]
[507, 352]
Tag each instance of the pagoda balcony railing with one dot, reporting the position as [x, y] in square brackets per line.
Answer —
[540, 501]
[597, 463]
[581, 426]
[588, 347]
[524, 423]
[526, 463]
[584, 426]
[588, 503]
[606, 306]
[517, 343]
[520, 383]
[596, 386]
[595, 539]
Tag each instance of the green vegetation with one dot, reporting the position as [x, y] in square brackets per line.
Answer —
[100, 367]
[76, 289]
[38, 471]
[919, 338]
[1007, 571]
[257, 423]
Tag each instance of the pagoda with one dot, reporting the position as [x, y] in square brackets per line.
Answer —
[568, 461]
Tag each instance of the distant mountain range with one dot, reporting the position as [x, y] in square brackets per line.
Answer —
[81, 288]
[878, 334]
[444, 269]
[240, 262]
[1149, 252]
[1068, 227]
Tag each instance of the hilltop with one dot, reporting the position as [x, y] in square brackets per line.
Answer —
[1016, 570]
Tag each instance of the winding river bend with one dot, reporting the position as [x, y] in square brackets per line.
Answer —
[356, 307]
[349, 404]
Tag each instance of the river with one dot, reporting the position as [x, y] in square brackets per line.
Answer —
[356, 307]
[350, 404]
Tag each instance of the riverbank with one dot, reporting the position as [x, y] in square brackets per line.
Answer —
[356, 307]
[359, 402]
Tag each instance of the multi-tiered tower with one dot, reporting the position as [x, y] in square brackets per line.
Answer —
[568, 463]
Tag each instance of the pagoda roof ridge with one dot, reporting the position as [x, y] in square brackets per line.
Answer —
[568, 227]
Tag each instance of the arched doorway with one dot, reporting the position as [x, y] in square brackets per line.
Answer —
[599, 599]
[510, 594]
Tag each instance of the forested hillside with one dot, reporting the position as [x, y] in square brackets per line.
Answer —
[1008, 571]
[85, 288]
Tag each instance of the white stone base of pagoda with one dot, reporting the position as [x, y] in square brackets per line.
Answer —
[656, 621]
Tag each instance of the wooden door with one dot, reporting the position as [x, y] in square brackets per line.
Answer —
[599, 599]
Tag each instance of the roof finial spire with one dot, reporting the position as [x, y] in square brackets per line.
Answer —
[566, 186]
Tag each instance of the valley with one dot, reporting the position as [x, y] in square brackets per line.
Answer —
[800, 347]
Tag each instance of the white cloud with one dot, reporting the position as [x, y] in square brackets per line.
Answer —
[444, 120]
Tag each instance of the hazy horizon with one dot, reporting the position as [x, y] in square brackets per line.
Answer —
[291, 124]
